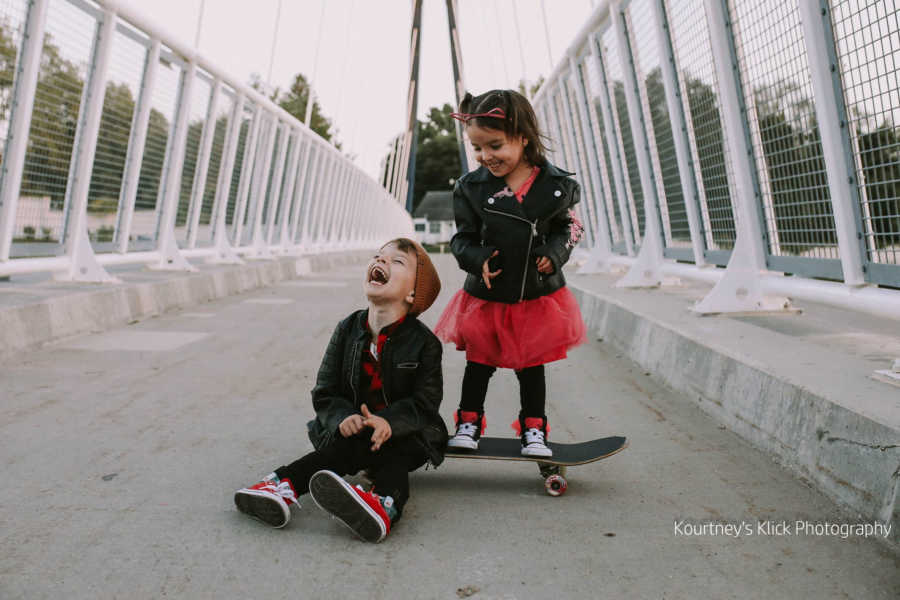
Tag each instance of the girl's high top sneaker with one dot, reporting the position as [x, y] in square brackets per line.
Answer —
[469, 427]
[533, 432]
[270, 500]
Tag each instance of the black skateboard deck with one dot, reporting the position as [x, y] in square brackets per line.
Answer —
[553, 468]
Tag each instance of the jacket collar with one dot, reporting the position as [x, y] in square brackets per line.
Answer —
[361, 331]
[482, 175]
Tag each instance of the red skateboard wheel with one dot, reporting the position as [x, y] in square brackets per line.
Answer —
[555, 485]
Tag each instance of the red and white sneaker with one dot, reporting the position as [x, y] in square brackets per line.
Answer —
[367, 514]
[533, 433]
[469, 427]
[270, 500]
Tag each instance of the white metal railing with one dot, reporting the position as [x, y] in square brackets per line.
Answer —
[123, 145]
[761, 135]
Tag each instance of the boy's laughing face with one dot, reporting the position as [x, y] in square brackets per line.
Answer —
[391, 276]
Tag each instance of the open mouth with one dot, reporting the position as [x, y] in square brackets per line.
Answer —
[378, 276]
[493, 165]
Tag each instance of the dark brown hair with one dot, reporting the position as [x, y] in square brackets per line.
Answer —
[520, 119]
[405, 245]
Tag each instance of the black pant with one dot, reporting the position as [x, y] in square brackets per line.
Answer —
[389, 466]
[532, 388]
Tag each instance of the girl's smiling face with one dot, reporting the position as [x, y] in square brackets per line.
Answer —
[500, 154]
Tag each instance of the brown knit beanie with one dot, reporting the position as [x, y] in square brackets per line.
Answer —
[428, 284]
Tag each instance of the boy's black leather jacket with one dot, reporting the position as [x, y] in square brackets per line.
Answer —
[411, 376]
[544, 225]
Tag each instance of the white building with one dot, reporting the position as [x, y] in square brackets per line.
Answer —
[433, 218]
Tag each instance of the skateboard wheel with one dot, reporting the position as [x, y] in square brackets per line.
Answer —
[555, 485]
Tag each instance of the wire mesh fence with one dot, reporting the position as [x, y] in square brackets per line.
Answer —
[706, 135]
[57, 102]
[786, 142]
[607, 202]
[672, 210]
[616, 83]
[867, 39]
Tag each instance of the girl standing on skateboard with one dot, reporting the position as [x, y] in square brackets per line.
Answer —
[516, 228]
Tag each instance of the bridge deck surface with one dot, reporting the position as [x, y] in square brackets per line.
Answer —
[121, 451]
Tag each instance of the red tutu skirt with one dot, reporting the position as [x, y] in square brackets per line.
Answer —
[513, 336]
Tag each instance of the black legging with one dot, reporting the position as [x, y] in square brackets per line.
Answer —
[389, 466]
[532, 388]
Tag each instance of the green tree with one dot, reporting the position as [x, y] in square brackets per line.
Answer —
[112, 148]
[437, 153]
[54, 119]
[294, 101]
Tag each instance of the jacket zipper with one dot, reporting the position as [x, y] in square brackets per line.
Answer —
[530, 240]
[356, 356]
[384, 372]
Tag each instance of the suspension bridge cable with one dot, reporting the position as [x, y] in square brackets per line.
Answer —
[274, 43]
[502, 47]
[547, 36]
[311, 93]
[515, 12]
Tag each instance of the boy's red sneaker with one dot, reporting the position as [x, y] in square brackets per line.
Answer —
[367, 514]
[269, 500]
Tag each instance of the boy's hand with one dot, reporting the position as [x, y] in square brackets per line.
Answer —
[486, 273]
[351, 425]
[544, 265]
[382, 428]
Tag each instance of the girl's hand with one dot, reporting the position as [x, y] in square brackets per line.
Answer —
[544, 265]
[351, 425]
[382, 428]
[486, 274]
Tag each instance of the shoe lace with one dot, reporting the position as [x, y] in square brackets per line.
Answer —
[284, 489]
[534, 436]
[467, 429]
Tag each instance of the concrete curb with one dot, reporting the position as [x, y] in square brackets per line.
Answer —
[853, 459]
[30, 326]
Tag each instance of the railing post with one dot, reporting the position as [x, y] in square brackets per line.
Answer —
[198, 189]
[342, 205]
[322, 207]
[287, 204]
[686, 171]
[309, 202]
[615, 155]
[28, 67]
[260, 186]
[136, 144]
[583, 207]
[248, 165]
[834, 129]
[83, 265]
[304, 177]
[739, 289]
[170, 257]
[602, 249]
[224, 253]
[647, 269]
[277, 199]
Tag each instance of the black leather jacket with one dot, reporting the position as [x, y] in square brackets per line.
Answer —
[489, 218]
[411, 376]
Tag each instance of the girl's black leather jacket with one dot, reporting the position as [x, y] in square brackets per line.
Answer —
[488, 218]
[412, 379]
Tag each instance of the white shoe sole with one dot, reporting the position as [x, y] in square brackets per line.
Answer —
[462, 443]
[269, 508]
[338, 498]
[541, 452]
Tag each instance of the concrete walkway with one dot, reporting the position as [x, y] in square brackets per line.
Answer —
[121, 451]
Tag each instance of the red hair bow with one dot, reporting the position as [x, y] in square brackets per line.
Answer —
[497, 113]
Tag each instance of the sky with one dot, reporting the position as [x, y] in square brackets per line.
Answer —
[362, 72]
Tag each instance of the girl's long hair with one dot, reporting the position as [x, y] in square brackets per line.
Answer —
[520, 119]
